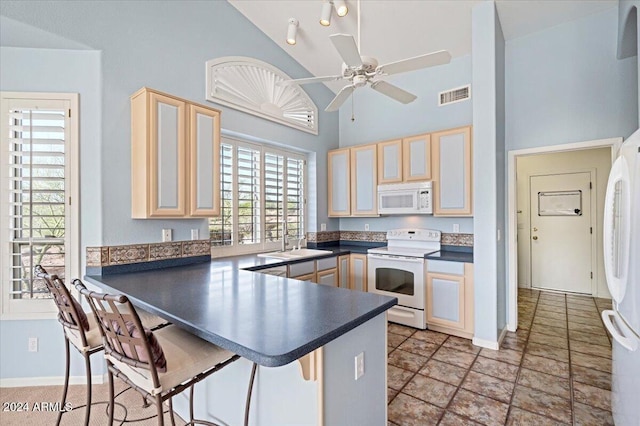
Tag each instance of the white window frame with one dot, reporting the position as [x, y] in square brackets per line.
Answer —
[43, 308]
[263, 245]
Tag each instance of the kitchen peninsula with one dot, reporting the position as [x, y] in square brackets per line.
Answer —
[273, 321]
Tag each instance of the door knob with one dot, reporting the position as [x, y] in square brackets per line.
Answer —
[535, 237]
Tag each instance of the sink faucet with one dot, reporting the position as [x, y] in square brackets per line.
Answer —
[300, 242]
[285, 237]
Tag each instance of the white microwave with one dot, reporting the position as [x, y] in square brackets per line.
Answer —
[405, 198]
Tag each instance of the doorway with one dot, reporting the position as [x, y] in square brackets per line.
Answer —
[558, 159]
[561, 232]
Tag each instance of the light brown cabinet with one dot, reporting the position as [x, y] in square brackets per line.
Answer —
[358, 271]
[352, 182]
[175, 156]
[452, 172]
[450, 304]
[343, 271]
[405, 160]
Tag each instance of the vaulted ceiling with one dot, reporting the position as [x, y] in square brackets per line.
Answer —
[392, 30]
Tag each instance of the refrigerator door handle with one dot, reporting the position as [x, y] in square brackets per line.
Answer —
[616, 234]
[629, 343]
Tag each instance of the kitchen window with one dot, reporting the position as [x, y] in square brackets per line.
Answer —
[261, 187]
[39, 213]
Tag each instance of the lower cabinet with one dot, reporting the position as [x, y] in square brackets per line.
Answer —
[303, 271]
[358, 271]
[450, 297]
[328, 277]
[343, 271]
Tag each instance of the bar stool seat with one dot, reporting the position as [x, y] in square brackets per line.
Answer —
[93, 338]
[187, 356]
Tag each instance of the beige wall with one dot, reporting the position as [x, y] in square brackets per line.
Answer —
[562, 162]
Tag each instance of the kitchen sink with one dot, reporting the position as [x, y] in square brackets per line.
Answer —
[295, 254]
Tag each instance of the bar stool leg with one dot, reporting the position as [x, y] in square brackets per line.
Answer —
[173, 419]
[111, 407]
[66, 380]
[87, 363]
[159, 408]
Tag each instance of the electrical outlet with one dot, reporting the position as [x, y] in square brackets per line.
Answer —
[33, 344]
[166, 235]
[456, 227]
[195, 234]
[366, 226]
[359, 359]
[323, 227]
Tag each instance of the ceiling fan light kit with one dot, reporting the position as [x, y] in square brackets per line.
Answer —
[292, 31]
[325, 16]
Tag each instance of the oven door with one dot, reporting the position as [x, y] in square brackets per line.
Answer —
[397, 276]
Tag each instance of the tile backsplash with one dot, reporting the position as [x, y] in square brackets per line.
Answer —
[462, 240]
[140, 253]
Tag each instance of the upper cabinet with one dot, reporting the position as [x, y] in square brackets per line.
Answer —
[405, 160]
[175, 163]
[416, 153]
[442, 157]
[339, 175]
[364, 185]
[390, 161]
[452, 173]
[352, 179]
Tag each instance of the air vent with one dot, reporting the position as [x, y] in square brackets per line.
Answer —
[454, 95]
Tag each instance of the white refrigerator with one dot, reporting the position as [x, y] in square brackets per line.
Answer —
[622, 270]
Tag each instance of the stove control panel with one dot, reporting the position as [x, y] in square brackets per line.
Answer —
[414, 234]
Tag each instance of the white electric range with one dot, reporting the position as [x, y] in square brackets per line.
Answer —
[399, 269]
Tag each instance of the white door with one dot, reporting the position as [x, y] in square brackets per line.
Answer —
[561, 233]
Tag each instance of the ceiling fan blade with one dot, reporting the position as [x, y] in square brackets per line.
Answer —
[393, 92]
[346, 46]
[311, 80]
[418, 62]
[340, 98]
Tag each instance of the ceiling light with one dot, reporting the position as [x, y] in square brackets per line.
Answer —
[341, 7]
[325, 17]
[292, 30]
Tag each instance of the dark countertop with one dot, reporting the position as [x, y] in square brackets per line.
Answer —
[267, 319]
[451, 256]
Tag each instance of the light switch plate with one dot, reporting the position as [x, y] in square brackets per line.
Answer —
[195, 234]
[166, 235]
[323, 227]
[456, 227]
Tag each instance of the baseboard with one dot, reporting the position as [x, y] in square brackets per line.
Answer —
[489, 344]
[15, 382]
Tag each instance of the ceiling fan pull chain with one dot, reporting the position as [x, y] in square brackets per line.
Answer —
[353, 117]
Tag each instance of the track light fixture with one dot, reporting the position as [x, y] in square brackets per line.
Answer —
[341, 7]
[292, 30]
[325, 16]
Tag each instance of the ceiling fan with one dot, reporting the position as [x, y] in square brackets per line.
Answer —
[361, 70]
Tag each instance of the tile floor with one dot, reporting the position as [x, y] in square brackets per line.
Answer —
[555, 370]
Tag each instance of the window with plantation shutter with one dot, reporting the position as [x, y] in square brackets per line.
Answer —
[39, 226]
[261, 187]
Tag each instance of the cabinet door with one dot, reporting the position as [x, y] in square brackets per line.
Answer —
[204, 164]
[390, 162]
[452, 174]
[446, 300]
[358, 270]
[416, 152]
[328, 277]
[343, 271]
[167, 156]
[364, 187]
[339, 196]
[306, 277]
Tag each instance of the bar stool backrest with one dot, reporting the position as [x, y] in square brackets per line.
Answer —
[123, 335]
[69, 310]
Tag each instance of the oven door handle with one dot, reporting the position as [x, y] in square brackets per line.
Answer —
[396, 258]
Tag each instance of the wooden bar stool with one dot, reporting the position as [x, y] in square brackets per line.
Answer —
[158, 364]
